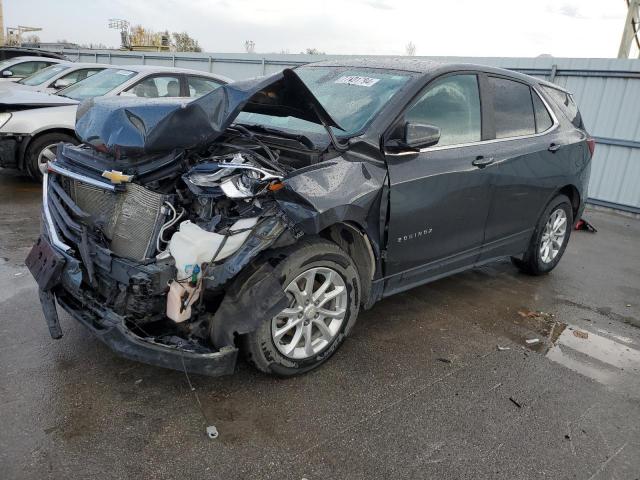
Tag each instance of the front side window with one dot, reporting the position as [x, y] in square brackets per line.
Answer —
[199, 86]
[453, 105]
[513, 108]
[97, 85]
[43, 75]
[154, 87]
[25, 69]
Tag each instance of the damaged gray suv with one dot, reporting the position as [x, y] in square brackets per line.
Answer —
[264, 215]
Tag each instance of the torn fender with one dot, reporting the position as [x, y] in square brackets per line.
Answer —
[335, 191]
[246, 304]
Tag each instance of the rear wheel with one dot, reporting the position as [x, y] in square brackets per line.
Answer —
[322, 286]
[549, 239]
[42, 150]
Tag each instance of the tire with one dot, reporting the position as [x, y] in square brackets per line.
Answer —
[536, 260]
[309, 258]
[35, 151]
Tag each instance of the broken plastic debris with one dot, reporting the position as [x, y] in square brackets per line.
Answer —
[502, 349]
[212, 432]
[532, 341]
[515, 402]
[534, 314]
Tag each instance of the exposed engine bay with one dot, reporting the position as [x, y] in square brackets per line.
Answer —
[160, 243]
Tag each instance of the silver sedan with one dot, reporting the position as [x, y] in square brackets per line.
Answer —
[34, 123]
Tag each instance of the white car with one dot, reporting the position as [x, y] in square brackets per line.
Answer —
[56, 77]
[15, 68]
[32, 124]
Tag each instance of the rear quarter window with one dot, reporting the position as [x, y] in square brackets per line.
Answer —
[565, 102]
[543, 119]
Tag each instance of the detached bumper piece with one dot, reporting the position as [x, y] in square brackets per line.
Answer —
[110, 329]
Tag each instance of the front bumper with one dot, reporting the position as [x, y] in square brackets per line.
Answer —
[58, 280]
[8, 152]
[110, 329]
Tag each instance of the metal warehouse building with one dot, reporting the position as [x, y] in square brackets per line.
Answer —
[606, 90]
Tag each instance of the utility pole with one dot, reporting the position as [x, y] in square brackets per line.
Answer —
[1, 25]
[631, 29]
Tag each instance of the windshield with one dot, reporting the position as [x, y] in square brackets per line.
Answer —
[352, 96]
[97, 85]
[43, 75]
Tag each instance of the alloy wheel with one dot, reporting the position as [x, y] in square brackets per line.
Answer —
[316, 312]
[553, 235]
[47, 154]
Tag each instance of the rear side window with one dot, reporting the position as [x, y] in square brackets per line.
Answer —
[453, 105]
[543, 119]
[566, 103]
[513, 108]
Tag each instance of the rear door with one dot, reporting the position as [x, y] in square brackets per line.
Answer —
[526, 168]
[440, 196]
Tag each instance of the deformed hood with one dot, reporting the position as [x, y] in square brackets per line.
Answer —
[136, 126]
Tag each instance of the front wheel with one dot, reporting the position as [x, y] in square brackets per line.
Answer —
[549, 239]
[323, 287]
[42, 150]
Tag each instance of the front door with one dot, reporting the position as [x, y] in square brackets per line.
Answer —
[439, 197]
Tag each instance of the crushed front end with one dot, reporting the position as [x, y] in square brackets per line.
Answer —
[132, 261]
[157, 229]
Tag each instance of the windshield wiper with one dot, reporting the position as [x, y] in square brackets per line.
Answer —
[306, 141]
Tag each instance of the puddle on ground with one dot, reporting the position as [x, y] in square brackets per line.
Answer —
[607, 358]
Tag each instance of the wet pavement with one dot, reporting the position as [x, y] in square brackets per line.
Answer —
[486, 374]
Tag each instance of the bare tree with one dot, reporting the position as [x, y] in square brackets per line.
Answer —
[410, 49]
[184, 43]
[31, 39]
[250, 46]
[313, 51]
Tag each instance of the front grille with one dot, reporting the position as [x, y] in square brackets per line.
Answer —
[129, 220]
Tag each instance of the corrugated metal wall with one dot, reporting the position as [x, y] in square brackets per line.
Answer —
[606, 90]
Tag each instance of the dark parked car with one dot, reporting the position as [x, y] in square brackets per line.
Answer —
[264, 215]
[10, 52]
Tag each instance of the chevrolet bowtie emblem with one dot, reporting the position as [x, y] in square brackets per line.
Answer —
[117, 177]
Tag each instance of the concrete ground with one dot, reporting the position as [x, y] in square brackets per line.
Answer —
[420, 390]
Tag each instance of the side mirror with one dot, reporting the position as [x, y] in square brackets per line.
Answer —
[62, 83]
[414, 136]
[7, 73]
[418, 135]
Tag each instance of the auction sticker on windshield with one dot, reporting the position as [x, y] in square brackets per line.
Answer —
[358, 80]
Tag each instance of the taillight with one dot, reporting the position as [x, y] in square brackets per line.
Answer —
[591, 143]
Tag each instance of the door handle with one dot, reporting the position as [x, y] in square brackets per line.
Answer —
[482, 162]
[554, 147]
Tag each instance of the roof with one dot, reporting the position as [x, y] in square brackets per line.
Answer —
[426, 67]
[161, 69]
[34, 58]
[407, 64]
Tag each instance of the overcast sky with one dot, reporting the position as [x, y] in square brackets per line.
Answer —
[579, 28]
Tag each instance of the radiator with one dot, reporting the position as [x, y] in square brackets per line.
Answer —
[129, 220]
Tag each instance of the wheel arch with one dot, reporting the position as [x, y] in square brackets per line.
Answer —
[353, 239]
[573, 194]
[29, 141]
